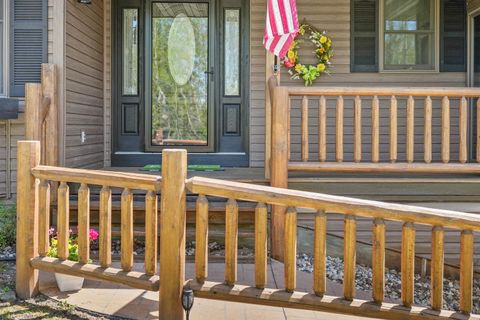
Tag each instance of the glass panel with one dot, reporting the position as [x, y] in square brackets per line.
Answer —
[130, 52]
[179, 78]
[232, 52]
[409, 34]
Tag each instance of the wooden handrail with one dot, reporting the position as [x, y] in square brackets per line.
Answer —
[385, 91]
[334, 204]
[97, 177]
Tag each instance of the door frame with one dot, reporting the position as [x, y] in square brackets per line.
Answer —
[470, 46]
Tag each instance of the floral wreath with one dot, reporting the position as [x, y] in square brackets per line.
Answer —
[323, 53]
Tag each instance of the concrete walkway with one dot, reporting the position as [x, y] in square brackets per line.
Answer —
[130, 303]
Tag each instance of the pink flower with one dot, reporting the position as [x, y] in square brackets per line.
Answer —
[93, 234]
[51, 231]
[288, 63]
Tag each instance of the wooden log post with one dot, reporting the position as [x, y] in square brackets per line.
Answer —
[375, 130]
[322, 129]
[349, 254]
[127, 230]
[408, 263]
[33, 108]
[151, 232]
[172, 233]
[27, 219]
[378, 260]
[290, 249]
[357, 129]
[393, 129]
[436, 273]
[427, 133]
[231, 241]
[279, 172]
[84, 223]
[50, 91]
[43, 218]
[466, 271]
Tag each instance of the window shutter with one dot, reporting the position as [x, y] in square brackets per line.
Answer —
[364, 25]
[453, 36]
[28, 42]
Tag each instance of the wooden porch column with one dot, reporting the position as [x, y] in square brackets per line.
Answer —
[172, 233]
[279, 161]
[27, 218]
[50, 91]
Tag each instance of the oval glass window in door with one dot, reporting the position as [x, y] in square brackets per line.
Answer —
[181, 49]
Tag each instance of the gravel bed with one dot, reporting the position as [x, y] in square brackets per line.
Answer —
[363, 281]
[7, 253]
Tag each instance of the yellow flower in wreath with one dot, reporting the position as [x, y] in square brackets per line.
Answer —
[291, 55]
[298, 68]
[321, 50]
[323, 39]
[321, 67]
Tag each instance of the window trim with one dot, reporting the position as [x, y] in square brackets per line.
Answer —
[381, 42]
[6, 49]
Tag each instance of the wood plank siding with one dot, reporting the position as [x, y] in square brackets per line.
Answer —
[84, 72]
[334, 17]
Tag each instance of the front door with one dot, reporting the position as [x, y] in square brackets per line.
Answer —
[180, 81]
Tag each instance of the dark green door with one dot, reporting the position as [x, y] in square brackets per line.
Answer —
[181, 71]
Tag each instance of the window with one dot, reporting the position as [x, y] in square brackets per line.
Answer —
[409, 34]
[2, 46]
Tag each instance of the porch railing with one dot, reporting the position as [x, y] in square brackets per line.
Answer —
[418, 110]
[32, 228]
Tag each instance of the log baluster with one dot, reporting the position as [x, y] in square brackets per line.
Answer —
[410, 144]
[437, 268]
[322, 129]
[357, 113]
[349, 253]
[231, 241]
[427, 133]
[339, 130]
[393, 129]
[261, 238]
[43, 218]
[320, 253]
[105, 226]
[84, 223]
[151, 232]
[378, 260]
[445, 130]
[375, 130]
[305, 146]
[466, 271]
[478, 129]
[290, 262]
[127, 230]
[289, 129]
[201, 239]
[463, 131]
[408, 263]
[63, 212]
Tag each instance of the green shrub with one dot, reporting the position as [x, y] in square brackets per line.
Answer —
[7, 225]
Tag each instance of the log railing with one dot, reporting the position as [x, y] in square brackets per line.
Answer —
[418, 105]
[32, 228]
[352, 209]
[33, 211]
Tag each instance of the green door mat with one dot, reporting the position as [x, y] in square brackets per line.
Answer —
[191, 167]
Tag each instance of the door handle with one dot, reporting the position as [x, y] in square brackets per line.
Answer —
[210, 73]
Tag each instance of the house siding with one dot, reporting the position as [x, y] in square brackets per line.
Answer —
[84, 84]
[334, 17]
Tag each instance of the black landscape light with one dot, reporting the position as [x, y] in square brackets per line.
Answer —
[85, 1]
[187, 300]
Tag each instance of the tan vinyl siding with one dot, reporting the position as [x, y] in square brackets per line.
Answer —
[84, 71]
[334, 17]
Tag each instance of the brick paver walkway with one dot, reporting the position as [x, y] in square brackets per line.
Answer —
[122, 301]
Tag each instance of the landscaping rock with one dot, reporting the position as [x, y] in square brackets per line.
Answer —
[8, 296]
[363, 282]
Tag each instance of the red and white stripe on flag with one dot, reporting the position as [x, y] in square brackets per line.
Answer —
[281, 26]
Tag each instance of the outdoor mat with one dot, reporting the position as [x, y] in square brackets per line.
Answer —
[191, 167]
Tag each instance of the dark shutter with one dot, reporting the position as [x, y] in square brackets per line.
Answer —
[28, 42]
[364, 25]
[453, 35]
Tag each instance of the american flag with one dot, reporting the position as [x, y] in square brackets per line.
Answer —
[281, 26]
